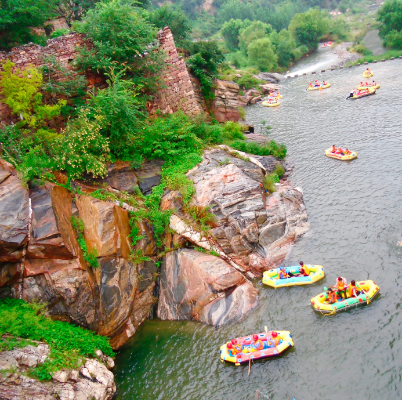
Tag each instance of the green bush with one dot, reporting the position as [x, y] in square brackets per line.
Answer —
[262, 55]
[68, 343]
[248, 81]
[279, 170]
[271, 148]
[269, 181]
[60, 32]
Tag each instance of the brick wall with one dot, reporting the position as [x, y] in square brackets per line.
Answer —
[179, 93]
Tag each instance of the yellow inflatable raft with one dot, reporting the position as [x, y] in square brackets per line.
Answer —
[370, 290]
[369, 93]
[339, 156]
[268, 104]
[368, 87]
[271, 277]
[367, 74]
[269, 350]
[319, 87]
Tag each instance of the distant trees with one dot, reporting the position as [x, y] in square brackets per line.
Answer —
[390, 17]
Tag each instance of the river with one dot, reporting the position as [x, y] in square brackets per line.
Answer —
[355, 214]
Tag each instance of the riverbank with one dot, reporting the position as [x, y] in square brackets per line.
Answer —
[344, 56]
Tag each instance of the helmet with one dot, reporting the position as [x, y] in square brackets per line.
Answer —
[255, 337]
[234, 341]
[325, 289]
[274, 334]
[229, 345]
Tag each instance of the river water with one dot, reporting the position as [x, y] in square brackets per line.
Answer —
[355, 214]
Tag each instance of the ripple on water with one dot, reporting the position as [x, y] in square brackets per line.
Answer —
[356, 220]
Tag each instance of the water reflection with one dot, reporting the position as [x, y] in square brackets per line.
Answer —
[356, 222]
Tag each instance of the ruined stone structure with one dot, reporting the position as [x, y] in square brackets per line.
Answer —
[179, 93]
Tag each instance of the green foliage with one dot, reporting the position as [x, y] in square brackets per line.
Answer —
[20, 91]
[271, 148]
[362, 49]
[262, 55]
[269, 181]
[284, 45]
[11, 343]
[308, 27]
[204, 219]
[371, 58]
[393, 39]
[173, 17]
[84, 149]
[68, 343]
[230, 32]
[279, 170]
[203, 63]
[390, 18]
[252, 32]
[73, 10]
[242, 113]
[137, 257]
[60, 32]
[123, 39]
[89, 256]
[18, 17]
[247, 81]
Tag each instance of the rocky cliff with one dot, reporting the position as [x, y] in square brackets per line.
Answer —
[92, 381]
[41, 257]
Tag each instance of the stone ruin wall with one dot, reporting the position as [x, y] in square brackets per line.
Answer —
[179, 92]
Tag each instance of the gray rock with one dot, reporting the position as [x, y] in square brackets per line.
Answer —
[270, 233]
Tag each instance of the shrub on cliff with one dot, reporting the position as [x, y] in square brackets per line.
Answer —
[122, 39]
[68, 343]
[270, 149]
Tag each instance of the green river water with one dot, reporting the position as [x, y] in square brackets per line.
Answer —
[355, 213]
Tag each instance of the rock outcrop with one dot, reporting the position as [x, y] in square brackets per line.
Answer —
[92, 380]
[225, 105]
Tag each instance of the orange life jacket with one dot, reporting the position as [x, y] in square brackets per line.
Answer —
[257, 345]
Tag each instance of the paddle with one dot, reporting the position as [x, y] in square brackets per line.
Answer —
[249, 366]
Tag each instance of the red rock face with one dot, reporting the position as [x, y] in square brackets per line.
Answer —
[226, 105]
[202, 287]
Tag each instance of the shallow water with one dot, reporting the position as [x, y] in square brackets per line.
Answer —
[356, 222]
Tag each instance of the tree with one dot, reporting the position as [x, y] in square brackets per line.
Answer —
[73, 10]
[308, 27]
[18, 17]
[173, 17]
[231, 30]
[262, 55]
[393, 39]
[390, 17]
[122, 39]
[236, 9]
[256, 30]
[284, 45]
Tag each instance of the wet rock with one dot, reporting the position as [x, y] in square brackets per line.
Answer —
[149, 175]
[269, 77]
[120, 176]
[202, 287]
[269, 87]
[14, 219]
[225, 105]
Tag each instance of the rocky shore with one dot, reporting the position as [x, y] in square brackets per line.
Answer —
[344, 55]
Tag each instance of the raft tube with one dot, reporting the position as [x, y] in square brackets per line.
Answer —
[268, 104]
[367, 74]
[271, 277]
[371, 290]
[339, 156]
[369, 93]
[319, 87]
[245, 357]
[368, 87]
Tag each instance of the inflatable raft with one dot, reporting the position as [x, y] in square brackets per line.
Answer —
[369, 287]
[268, 104]
[369, 93]
[245, 356]
[351, 156]
[271, 277]
[367, 74]
[319, 87]
[368, 87]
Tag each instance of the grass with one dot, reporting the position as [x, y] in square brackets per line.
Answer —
[269, 181]
[371, 58]
[68, 344]
[269, 149]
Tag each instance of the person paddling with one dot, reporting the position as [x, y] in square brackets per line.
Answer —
[353, 289]
[304, 270]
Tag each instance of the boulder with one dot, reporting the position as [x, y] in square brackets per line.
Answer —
[225, 105]
[202, 287]
[149, 175]
[269, 77]
[14, 219]
[268, 87]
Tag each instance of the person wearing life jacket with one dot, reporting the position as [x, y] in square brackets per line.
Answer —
[330, 295]
[304, 270]
[230, 349]
[283, 274]
[317, 83]
[341, 285]
[236, 347]
[348, 152]
[339, 151]
[256, 344]
[353, 289]
[333, 149]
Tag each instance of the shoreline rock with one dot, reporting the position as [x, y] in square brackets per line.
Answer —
[344, 55]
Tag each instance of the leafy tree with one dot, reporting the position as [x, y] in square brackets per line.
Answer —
[284, 45]
[73, 10]
[256, 30]
[236, 9]
[122, 39]
[18, 17]
[173, 17]
[230, 32]
[390, 17]
[262, 55]
[308, 27]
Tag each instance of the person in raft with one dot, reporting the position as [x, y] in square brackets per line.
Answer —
[340, 151]
[316, 83]
[304, 270]
[283, 274]
[333, 149]
[256, 344]
[341, 285]
[347, 152]
[330, 295]
[353, 289]
[368, 70]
